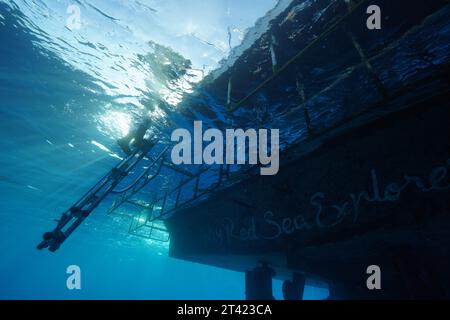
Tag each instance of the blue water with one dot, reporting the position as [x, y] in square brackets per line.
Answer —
[65, 97]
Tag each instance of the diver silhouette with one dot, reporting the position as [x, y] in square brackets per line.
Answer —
[294, 289]
[135, 138]
[258, 282]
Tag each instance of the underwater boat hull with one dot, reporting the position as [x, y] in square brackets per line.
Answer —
[374, 192]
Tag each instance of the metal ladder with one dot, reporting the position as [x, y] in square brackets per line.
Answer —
[72, 218]
[148, 223]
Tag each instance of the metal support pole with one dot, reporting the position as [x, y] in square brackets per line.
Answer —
[301, 92]
[273, 55]
[229, 93]
[178, 198]
[163, 204]
[197, 182]
[378, 83]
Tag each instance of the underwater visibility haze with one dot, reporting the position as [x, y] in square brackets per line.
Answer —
[361, 110]
[67, 94]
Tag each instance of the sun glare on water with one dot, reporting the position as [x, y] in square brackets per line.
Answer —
[115, 124]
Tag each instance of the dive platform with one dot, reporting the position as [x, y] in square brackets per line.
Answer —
[366, 182]
[364, 176]
[378, 194]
